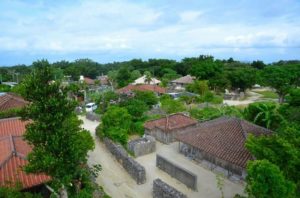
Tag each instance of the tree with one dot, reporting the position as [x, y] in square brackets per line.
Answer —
[123, 77]
[147, 96]
[205, 67]
[198, 87]
[60, 145]
[148, 77]
[242, 78]
[294, 97]
[136, 108]
[278, 150]
[265, 180]
[258, 64]
[171, 106]
[135, 74]
[264, 114]
[115, 124]
[281, 78]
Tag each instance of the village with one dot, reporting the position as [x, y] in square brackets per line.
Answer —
[150, 140]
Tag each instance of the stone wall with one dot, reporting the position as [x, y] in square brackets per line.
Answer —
[181, 174]
[215, 163]
[142, 146]
[163, 190]
[92, 116]
[135, 170]
[170, 136]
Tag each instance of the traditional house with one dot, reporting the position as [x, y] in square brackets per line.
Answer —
[11, 101]
[129, 89]
[182, 82]
[13, 152]
[165, 129]
[103, 80]
[221, 142]
[143, 80]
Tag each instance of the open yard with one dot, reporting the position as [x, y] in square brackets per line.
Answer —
[117, 183]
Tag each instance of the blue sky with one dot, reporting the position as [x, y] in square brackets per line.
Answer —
[116, 30]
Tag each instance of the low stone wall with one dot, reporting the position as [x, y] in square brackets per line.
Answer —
[92, 116]
[142, 146]
[135, 170]
[163, 190]
[179, 173]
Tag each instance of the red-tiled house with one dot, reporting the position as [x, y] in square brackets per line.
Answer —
[13, 152]
[221, 142]
[130, 88]
[165, 129]
[89, 81]
[11, 101]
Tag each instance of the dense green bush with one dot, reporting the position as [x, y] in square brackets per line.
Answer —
[10, 113]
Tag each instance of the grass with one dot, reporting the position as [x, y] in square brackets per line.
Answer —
[267, 94]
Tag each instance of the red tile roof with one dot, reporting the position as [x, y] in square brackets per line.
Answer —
[11, 101]
[154, 88]
[224, 138]
[13, 152]
[89, 81]
[174, 121]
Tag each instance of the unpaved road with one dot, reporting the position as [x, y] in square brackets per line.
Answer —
[118, 184]
[252, 97]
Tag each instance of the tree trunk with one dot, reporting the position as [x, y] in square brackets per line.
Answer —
[63, 193]
[281, 98]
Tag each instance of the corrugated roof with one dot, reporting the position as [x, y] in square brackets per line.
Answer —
[174, 121]
[13, 152]
[224, 138]
[11, 101]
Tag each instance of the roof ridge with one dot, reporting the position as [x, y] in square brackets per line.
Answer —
[244, 133]
[12, 118]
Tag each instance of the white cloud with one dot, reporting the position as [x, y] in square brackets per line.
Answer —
[122, 26]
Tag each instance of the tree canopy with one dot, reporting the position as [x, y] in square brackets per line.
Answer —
[60, 145]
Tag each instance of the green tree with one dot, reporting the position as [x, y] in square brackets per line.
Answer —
[148, 77]
[264, 114]
[278, 150]
[115, 124]
[135, 74]
[171, 106]
[205, 67]
[60, 145]
[198, 87]
[265, 180]
[147, 96]
[258, 64]
[294, 98]
[136, 108]
[9, 192]
[242, 78]
[123, 77]
[282, 79]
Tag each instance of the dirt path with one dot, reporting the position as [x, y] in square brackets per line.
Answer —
[252, 97]
[118, 184]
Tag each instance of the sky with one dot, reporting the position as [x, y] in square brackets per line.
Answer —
[115, 30]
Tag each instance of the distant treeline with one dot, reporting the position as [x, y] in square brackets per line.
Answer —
[158, 67]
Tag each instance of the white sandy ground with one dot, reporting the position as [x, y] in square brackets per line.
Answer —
[118, 184]
[252, 97]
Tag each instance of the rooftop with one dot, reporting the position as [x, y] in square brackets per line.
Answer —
[170, 122]
[11, 101]
[13, 152]
[188, 79]
[224, 138]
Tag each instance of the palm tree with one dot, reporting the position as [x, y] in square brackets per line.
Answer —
[148, 76]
